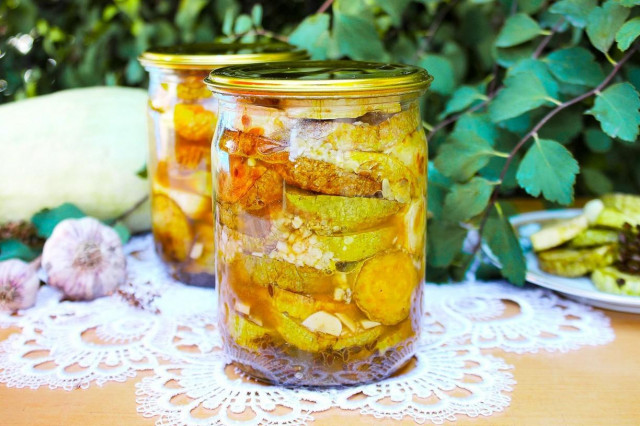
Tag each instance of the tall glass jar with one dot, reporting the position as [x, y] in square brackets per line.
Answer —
[320, 190]
[182, 117]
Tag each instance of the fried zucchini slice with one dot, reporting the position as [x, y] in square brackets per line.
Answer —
[626, 203]
[327, 178]
[412, 152]
[301, 337]
[385, 286]
[613, 218]
[194, 206]
[594, 237]
[415, 223]
[395, 335]
[253, 223]
[331, 213]
[558, 233]
[171, 228]
[194, 122]
[254, 145]
[358, 338]
[575, 263]
[251, 185]
[357, 246]
[299, 279]
[328, 109]
[612, 280]
[301, 306]
[244, 332]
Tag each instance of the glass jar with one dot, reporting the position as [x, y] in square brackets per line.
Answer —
[181, 122]
[320, 190]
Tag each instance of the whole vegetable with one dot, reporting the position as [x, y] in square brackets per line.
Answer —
[82, 146]
[84, 259]
[18, 285]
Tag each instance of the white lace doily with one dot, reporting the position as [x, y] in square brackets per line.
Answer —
[157, 324]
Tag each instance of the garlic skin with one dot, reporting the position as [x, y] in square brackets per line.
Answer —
[19, 285]
[84, 259]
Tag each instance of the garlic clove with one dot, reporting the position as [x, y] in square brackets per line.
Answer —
[323, 322]
[19, 285]
[84, 259]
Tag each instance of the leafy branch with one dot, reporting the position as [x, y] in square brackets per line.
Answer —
[533, 133]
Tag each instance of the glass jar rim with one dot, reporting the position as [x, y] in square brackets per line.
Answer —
[323, 79]
[207, 56]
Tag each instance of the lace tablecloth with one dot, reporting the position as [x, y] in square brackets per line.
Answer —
[156, 324]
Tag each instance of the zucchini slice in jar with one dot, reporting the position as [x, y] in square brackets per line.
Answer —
[244, 332]
[194, 122]
[385, 286]
[171, 228]
[332, 213]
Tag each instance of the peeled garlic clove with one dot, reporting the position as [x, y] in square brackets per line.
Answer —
[84, 259]
[18, 285]
[323, 322]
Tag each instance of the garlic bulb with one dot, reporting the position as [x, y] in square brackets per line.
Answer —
[84, 259]
[18, 285]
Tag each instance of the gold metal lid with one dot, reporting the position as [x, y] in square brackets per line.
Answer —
[207, 56]
[322, 79]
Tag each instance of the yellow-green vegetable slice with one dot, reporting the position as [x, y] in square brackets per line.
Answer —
[574, 262]
[611, 280]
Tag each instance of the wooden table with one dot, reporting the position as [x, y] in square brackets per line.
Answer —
[593, 385]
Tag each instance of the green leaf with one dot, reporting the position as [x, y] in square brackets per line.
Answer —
[604, 22]
[467, 200]
[355, 32]
[598, 141]
[445, 242]
[256, 15]
[15, 249]
[541, 70]
[243, 24]
[575, 11]
[565, 63]
[442, 71]
[522, 92]
[463, 155]
[508, 56]
[628, 33]
[463, 98]
[143, 173]
[438, 188]
[47, 219]
[596, 181]
[480, 124]
[517, 29]
[188, 12]
[122, 231]
[395, 9]
[550, 169]
[502, 240]
[616, 108]
[313, 35]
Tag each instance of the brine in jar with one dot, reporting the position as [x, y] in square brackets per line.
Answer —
[320, 192]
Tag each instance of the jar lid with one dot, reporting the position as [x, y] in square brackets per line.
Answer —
[206, 56]
[322, 79]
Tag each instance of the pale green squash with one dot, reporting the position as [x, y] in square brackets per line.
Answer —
[82, 146]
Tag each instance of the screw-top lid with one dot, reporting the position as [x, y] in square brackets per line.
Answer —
[321, 79]
[207, 56]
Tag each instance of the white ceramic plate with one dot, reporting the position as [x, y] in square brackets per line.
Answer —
[580, 289]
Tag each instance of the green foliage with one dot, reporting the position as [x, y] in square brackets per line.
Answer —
[504, 244]
[47, 219]
[550, 169]
[16, 249]
[513, 109]
[616, 108]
